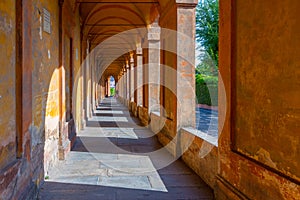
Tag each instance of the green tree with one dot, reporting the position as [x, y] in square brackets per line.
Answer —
[112, 91]
[207, 27]
[207, 66]
[207, 89]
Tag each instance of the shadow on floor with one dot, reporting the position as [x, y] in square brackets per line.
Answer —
[63, 191]
[121, 162]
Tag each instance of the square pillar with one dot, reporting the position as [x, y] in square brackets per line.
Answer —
[108, 86]
[125, 83]
[185, 90]
[139, 77]
[131, 65]
[153, 68]
[128, 82]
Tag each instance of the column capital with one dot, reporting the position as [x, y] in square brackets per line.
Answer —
[131, 61]
[154, 32]
[139, 51]
[186, 3]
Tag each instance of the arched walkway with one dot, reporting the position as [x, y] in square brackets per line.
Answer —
[115, 157]
[59, 132]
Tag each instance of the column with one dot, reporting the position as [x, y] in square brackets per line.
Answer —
[177, 72]
[131, 66]
[124, 78]
[106, 92]
[88, 83]
[185, 90]
[139, 77]
[125, 84]
[128, 83]
[108, 86]
[153, 68]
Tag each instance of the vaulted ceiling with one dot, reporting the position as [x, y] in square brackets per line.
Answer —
[115, 27]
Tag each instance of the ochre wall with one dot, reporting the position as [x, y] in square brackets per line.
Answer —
[7, 82]
[39, 141]
[259, 144]
[21, 168]
[267, 82]
[48, 76]
[45, 81]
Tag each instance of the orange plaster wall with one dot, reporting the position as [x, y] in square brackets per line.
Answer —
[45, 81]
[7, 82]
[259, 66]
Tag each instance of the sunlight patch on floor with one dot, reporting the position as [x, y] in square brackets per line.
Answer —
[110, 170]
[102, 132]
[108, 119]
[117, 112]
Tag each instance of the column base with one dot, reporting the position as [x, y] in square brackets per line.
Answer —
[67, 139]
[63, 150]
[143, 115]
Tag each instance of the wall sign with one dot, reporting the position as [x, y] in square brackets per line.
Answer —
[46, 21]
[76, 54]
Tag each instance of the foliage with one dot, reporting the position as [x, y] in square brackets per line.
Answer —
[207, 90]
[207, 66]
[207, 35]
[112, 91]
[207, 27]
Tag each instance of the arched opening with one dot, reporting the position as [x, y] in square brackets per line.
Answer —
[112, 86]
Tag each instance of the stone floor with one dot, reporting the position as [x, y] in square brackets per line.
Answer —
[116, 158]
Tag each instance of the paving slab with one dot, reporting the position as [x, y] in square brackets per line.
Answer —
[136, 182]
[117, 158]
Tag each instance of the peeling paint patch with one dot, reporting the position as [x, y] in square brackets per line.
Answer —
[265, 157]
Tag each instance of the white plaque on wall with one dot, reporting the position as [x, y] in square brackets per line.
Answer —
[46, 21]
[76, 54]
